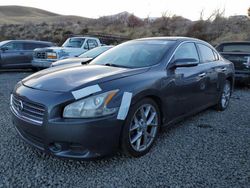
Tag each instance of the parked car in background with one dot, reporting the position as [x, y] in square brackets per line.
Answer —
[122, 98]
[84, 58]
[239, 54]
[18, 53]
[72, 47]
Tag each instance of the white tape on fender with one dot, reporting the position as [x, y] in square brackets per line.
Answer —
[78, 94]
[125, 104]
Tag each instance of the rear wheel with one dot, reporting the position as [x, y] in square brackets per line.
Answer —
[141, 128]
[225, 96]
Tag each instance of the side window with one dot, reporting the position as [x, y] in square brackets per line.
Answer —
[42, 45]
[86, 46]
[187, 51]
[32, 46]
[207, 54]
[29, 46]
[92, 43]
[14, 46]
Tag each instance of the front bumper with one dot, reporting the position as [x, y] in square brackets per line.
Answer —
[42, 63]
[79, 139]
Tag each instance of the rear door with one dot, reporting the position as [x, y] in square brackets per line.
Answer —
[210, 62]
[12, 56]
[28, 51]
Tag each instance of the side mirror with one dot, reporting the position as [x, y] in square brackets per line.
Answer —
[187, 62]
[4, 49]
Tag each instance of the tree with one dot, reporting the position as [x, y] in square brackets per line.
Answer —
[249, 11]
[134, 21]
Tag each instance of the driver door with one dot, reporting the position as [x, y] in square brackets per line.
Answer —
[12, 55]
[187, 83]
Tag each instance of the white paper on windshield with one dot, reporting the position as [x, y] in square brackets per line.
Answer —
[125, 104]
[78, 94]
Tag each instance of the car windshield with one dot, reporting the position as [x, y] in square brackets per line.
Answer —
[236, 48]
[95, 52]
[74, 43]
[135, 54]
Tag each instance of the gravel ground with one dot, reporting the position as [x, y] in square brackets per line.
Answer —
[211, 149]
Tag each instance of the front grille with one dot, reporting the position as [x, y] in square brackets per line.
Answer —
[40, 55]
[28, 110]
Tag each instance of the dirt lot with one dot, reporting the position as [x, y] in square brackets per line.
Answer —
[211, 149]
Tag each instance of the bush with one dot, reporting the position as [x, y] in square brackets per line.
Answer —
[134, 21]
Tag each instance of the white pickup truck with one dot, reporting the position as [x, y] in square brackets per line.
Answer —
[72, 47]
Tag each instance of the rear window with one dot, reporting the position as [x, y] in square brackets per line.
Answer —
[234, 48]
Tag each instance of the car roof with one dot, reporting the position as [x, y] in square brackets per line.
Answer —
[33, 41]
[172, 38]
[177, 39]
[84, 37]
[235, 42]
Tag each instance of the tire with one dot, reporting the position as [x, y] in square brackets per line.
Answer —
[138, 136]
[224, 97]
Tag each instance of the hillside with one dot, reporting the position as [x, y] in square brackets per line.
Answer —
[23, 15]
[16, 11]
[31, 23]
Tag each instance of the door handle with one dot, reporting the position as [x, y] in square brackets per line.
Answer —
[202, 74]
[223, 69]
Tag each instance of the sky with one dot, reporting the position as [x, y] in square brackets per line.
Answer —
[190, 9]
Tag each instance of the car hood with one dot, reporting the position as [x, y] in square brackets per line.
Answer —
[71, 60]
[65, 78]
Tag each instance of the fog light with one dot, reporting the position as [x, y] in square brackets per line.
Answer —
[55, 147]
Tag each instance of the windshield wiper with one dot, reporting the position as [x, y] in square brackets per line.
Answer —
[115, 65]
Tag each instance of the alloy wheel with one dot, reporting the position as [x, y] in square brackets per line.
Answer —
[143, 127]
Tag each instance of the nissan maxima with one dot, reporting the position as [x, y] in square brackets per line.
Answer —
[122, 98]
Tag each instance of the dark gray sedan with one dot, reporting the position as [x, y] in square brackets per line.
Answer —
[18, 53]
[122, 98]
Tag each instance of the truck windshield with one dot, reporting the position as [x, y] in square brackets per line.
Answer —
[74, 43]
[135, 54]
[237, 47]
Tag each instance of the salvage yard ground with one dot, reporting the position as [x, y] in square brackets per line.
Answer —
[211, 149]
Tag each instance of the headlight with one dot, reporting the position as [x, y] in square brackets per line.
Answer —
[51, 55]
[94, 106]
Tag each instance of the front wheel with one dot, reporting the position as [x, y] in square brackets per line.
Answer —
[225, 97]
[141, 128]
